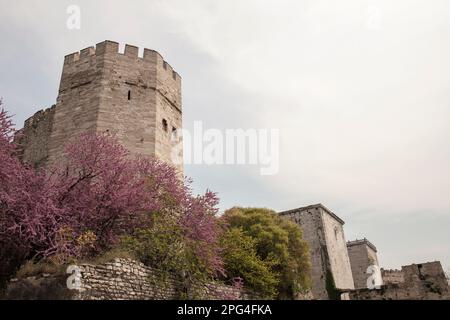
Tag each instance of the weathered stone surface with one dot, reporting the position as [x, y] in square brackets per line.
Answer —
[425, 281]
[392, 276]
[125, 280]
[45, 287]
[324, 233]
[35, 136]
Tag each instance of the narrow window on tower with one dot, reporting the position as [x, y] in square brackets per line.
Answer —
[129, 95]
[164, 125]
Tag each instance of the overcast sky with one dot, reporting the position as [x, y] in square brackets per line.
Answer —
[360, 91]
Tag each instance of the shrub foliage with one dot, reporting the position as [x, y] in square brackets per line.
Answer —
[278, 243]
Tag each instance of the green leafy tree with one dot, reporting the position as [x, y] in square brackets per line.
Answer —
[242, 261]
[160, 246]
[279, 243]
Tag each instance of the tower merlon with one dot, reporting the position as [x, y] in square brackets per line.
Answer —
[112, 47]
[153, 55]
[89, 51]
[131, 51]
[106, 47]
[323, 231]
[71, 58]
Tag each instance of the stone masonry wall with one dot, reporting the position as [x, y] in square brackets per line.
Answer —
[126, 279]
[35, 136]
[392, 276]
[337, 250]
[323, 232]
[425, 281]
[122, 279]
[310, 222]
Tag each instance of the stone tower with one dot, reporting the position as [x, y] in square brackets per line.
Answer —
[137, 99]
[362, 254]
[324, 233]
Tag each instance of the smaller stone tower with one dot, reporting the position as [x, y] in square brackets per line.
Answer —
[362, 254]
[324, 233]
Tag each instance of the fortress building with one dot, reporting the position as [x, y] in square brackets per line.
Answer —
[324, 233]
[424, 281]
[137, 99]
[362, 254]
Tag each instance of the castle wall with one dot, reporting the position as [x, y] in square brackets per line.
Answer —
[168, 101]
[337, 251]
[327, 248]
[310, 222]
[35, 136]
[130, 280]
[77, 102]
[168, 137]
[392, 276]
[421, 282]
[122, 279]
[141, 93]
[426, 277]
[128, 105]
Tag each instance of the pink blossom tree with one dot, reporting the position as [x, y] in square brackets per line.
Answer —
[95, 194]
[104, 192]
[107, 193]
[26, 213]
[201, 228]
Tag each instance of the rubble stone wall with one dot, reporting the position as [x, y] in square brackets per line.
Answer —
[122, 279]
[424, 281]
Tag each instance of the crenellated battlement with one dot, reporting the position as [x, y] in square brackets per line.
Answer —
[359, 242]
[112, 48]
[391, 271]
[34, 138]
[39, 116]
